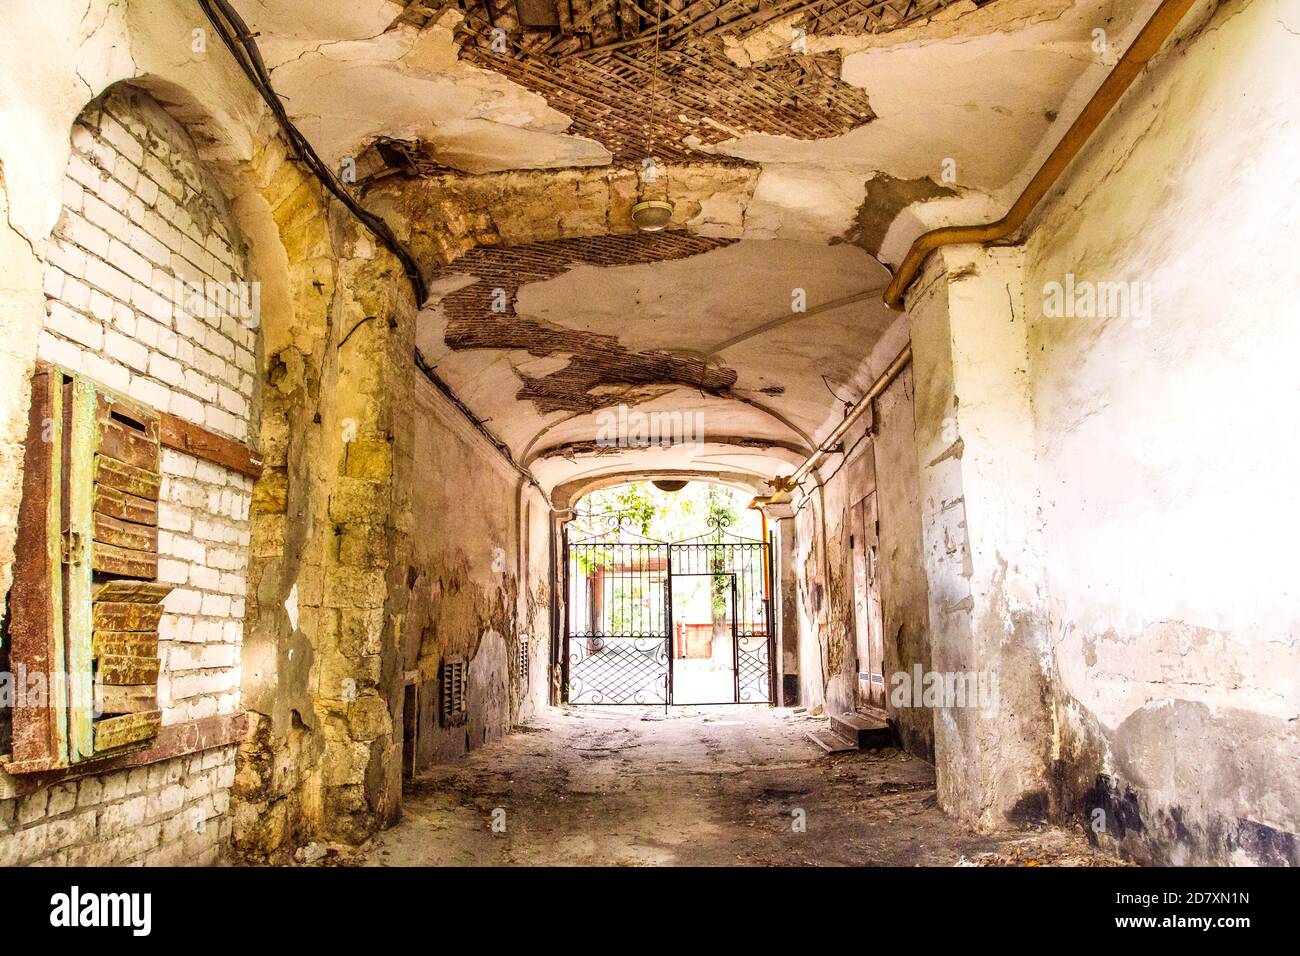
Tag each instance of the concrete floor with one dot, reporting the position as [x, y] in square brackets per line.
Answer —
[704, 786]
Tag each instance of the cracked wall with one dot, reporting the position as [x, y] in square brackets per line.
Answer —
[141, 211]
[879, 459]
[330, 537]
[1106, 513]
[479, 581]
[319, 670]
[981, 529]
[1170, 504]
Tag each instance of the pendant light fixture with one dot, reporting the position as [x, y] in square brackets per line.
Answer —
[652, 215]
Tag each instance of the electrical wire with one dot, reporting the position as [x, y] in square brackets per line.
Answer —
[234, 32]
[239, 40]
[653, 109]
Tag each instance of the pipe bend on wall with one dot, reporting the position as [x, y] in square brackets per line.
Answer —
[1135, 59]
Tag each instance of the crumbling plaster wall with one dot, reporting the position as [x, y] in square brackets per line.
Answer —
[59, 56]
[904, 590]
[853, 477]
[141, 211]
[981, 528]
[479, 582]
[330, 517]
[535, 600]
[1120, 573]
[788, 632]
[879, 457]
[811, 597]
[332, 525]
[1167, 465]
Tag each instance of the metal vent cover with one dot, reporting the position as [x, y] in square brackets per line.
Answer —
[452, 710]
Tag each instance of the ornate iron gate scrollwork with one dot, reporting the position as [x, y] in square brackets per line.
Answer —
[620, 636]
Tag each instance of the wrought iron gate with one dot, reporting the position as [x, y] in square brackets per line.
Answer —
[626, 644]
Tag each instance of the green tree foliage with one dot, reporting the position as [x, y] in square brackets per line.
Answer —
[664, 515]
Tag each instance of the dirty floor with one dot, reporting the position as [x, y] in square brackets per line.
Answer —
[703, 786]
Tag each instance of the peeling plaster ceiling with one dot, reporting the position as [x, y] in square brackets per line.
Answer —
[978, 83]
[764, 394]
[805, 170]
[357, 83]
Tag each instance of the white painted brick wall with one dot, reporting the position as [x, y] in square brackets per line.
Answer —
[138, 214]
[171, 812]
[203, 549]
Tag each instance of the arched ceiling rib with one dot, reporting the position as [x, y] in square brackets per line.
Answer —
[802, 143]
[595, 349]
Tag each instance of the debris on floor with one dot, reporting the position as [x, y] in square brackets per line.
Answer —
[722, 786]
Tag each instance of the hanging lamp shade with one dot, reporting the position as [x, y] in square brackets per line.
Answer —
[668, 484]
[651, 215]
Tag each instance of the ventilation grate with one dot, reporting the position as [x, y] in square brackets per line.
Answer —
[452, 708]
[523, 663]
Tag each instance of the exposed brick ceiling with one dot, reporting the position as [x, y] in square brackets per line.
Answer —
[509, 267]
[594, 60]
[482, 316]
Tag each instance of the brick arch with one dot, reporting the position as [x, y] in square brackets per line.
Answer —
[143, 227]
[322, 386]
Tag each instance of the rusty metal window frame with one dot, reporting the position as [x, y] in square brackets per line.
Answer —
[85, 604]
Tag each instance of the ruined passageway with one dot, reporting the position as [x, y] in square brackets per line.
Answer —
[354, 353]
[702, 786]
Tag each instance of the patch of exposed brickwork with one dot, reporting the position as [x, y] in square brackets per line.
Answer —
[483, 316]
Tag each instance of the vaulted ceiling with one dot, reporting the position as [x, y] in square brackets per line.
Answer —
[803, 144]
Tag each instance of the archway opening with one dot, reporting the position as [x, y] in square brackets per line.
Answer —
[669, 597]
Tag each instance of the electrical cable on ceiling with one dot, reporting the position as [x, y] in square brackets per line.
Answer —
[234, 32]
[652, 215]
[501, 447]
[654, 91]
[848, 406]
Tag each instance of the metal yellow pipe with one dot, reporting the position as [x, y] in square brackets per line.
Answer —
[1148, 42]
[890, 373]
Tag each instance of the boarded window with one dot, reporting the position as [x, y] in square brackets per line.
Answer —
[85, 603]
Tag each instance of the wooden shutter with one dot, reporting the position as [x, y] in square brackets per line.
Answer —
[127, 600]
[86, 604]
